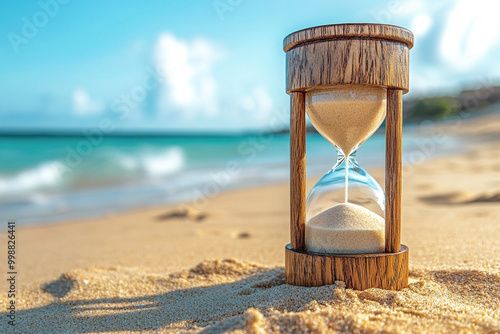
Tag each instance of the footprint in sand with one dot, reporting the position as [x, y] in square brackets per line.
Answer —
[183, 212]
[448, 198]
[487, 197]
[425, 186]
[60, 287]
[462, 197]
[242, 235]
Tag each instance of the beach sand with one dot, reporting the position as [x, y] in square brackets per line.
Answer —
[218, 266]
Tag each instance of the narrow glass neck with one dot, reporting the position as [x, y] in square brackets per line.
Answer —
[341, 156]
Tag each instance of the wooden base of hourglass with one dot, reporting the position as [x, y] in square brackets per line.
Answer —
[360, 271]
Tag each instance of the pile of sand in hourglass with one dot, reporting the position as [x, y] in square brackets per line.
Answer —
[346, 116]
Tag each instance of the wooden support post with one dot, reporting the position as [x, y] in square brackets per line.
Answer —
[393, 170]
[297, 169]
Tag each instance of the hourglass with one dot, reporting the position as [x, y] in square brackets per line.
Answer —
[348, 78]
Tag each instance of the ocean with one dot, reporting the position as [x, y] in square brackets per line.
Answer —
[56, 178]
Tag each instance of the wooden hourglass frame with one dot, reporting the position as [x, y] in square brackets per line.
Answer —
[339, 54]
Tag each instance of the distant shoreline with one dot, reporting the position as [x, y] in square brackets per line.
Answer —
[148, 134]
[77, 133]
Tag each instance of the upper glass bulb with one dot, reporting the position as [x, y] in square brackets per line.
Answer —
[347, 115]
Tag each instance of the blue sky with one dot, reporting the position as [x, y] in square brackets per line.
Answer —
[206, 65]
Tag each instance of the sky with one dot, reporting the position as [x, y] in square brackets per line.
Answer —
[207, 65]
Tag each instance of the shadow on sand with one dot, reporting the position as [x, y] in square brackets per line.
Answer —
[216, 307]
[214, 303]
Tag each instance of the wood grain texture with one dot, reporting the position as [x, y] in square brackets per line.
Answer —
[349, 30]
[347, 61]
[297, 169]
[384, 270]
[393, 170]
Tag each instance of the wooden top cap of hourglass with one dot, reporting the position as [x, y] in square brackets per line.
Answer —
[354, 53]
[349, 30]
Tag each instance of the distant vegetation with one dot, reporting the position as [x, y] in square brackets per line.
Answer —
[446, 106]
[431, 108]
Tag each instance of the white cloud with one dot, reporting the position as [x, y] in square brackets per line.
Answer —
[428, 80]
[406, 6]
[471, 29]
[388, 11]
[420, 24]
[83, 105]
[259, 103]
[189, 85]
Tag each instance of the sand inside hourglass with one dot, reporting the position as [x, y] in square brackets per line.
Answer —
[346, 229]
[346, 116]
[349, 116]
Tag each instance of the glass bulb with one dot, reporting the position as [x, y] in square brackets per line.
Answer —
[362, 189]
[345, 209]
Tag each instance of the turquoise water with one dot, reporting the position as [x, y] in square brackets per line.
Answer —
[46, 179]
